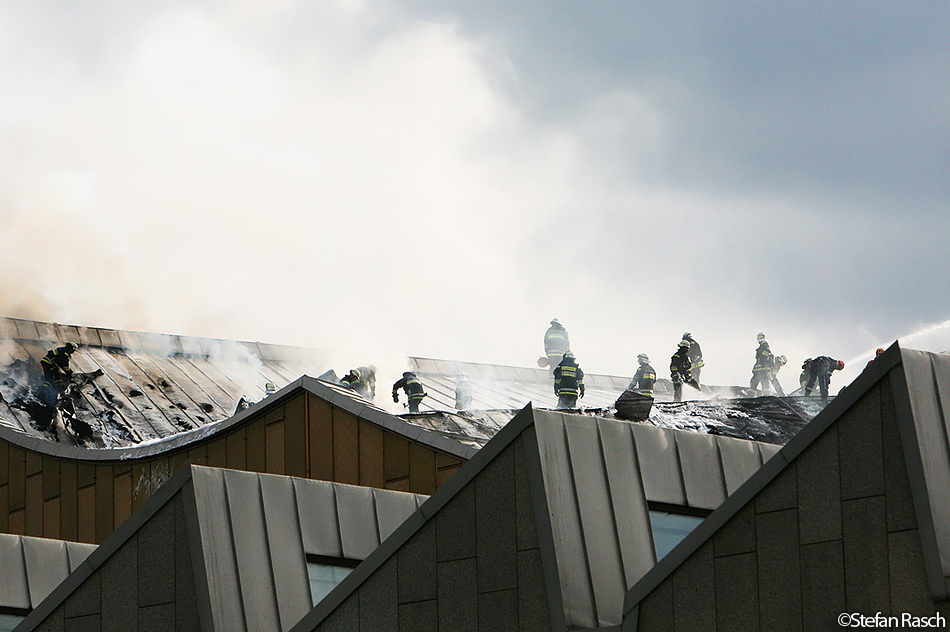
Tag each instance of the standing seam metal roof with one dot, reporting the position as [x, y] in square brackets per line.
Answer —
[30, 568]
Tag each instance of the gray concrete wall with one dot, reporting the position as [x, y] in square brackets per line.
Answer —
[834, 533]
[146, 585]
[475, 565]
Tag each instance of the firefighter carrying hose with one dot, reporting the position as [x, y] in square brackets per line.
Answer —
[680, 372]
[696, 363]
[56, 372]
[413, 389]
[568, 381]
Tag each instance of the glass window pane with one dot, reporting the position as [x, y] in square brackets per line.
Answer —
[324, 578]
[669, 529]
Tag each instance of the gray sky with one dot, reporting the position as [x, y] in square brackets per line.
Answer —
[443, 178]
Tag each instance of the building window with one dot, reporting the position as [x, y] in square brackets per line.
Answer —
[10, 618]
[325, 573]
[672, 523]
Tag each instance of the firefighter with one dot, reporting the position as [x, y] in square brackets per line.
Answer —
[351, 379]
[568, 381]
[463, 393]
[762, 370]
[820, 370]
[803, 378]
[777, 364]
[680, 372]
[367, 381]
[645, 377]
[556, 344]
[56, 371]
[413, 389]
[695, 356]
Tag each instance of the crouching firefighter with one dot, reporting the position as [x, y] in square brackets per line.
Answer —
[568, 382]
[56, 372]
[413, 389]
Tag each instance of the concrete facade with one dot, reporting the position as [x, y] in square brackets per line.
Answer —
[475, 565]
[834, 532]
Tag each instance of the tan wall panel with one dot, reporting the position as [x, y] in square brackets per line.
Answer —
[18, 522]
[275, 448]
[421, 469]
[140, 472]
[34, 463]
[177, 460]
[295, 437]
[86, 474]
[50, 477]
[275, 415]
[105, 503]
[346, 448]
[4, 463]
[87, 515]
[444, 475]
[237, 450]
[51, 519]
[371, 455]
[4, 509]
[123, 498]
[397, 457]
[402, 485]
[17, 482]
[34, 505]
[256, 457]
[68, 501]
[321, 439]
[443, 460]
[218, 453]
[198, 455]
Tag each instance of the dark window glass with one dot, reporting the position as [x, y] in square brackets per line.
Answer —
[669, 529]
[325, 573]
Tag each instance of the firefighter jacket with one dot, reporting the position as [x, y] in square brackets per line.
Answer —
[695, 354]
[680, 366]
[55, 364]
[411, 385]
[556, 341]
[823, 365]
[643, 380]
[568, 378]
[763, 358]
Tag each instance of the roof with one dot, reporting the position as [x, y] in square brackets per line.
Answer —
[596, 479]
[33, 567]
[920, 382]
[257, 529]
[249, 535]
[152, 385]
[159, 392]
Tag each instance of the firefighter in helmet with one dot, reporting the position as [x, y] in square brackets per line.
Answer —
[568, 381]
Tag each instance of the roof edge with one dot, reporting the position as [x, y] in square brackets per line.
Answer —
[208, 432]
[416, 521]
[109, 546]
[847, 397]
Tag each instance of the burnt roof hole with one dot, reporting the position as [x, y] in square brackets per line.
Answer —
[182, 406]
[151, 386]
[164, 384]
[200, 418]
[206, 407]
[135, 393]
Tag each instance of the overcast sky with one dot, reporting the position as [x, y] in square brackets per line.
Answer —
[441, 178]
